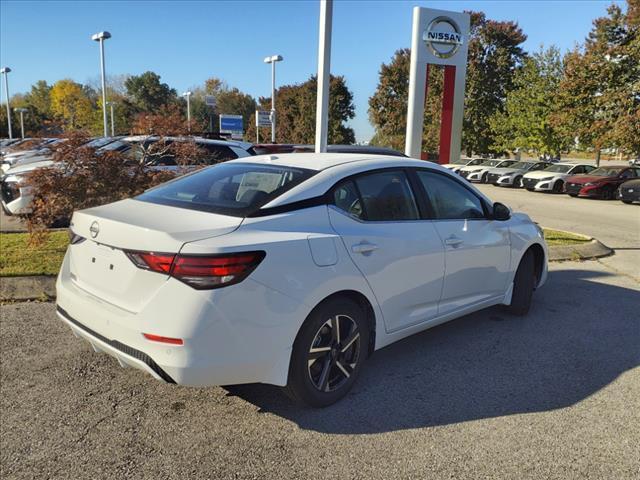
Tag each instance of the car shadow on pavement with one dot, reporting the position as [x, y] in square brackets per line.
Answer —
[580, 335]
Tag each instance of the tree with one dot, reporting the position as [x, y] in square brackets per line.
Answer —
[495, 53]
[71, 105]
[529, 106]
[296, 112]
[146, 93]
[599, 95]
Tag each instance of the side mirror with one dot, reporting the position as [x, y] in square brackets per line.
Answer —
[501, 212]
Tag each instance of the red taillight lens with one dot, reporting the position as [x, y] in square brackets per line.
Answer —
[200, 271]
[212, 271]
[158, 338]
[157, 262]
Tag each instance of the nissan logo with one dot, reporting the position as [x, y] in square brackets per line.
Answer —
[443, 37]
[94, 229]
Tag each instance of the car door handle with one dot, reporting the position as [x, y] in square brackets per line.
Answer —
[364, 247]
[453, 241]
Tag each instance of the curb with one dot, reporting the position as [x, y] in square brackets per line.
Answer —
[35, 287]
[581, 251]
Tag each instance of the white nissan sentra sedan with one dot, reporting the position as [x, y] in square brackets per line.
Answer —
[291, 270]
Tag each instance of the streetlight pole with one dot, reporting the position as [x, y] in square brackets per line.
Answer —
[5, 71]
[324, 79]
[21, 111]
[113, 125]
[101, 37]
[272, 60]
[188, 95]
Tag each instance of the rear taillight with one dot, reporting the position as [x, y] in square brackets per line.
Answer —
[200, 271]
[156, 262]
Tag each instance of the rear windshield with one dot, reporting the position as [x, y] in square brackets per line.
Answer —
[235, 189]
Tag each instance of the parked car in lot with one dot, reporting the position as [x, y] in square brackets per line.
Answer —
[16, 196]
[629, 191]
[552, 178]
[601, 182]
[463, 162]
[265, 269]
[478, 173]
[511, 176]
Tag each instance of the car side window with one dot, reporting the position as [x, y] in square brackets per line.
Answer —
[627, 174]
[637, 170]
[387, 196]
[346, 198]
[449, 199]
[578, 170]
[379, 197]
[588, 168]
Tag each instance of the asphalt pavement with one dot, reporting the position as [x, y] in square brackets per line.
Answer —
[553, 395]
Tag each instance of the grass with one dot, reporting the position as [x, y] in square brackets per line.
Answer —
[556, 237]
[19, 256]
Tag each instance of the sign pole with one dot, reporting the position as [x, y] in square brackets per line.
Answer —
[324, 70]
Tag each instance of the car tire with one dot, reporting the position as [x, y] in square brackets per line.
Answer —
[608, 193]
[557, 187]
[326, 361]
[531, 189]
[523, 285]
[517, 182]
[628, 202]
[573, 195]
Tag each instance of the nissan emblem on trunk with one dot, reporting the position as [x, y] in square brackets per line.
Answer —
[443, 37]
[94, 229]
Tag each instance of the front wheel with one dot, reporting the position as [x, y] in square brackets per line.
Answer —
[557, 187]
[328, 353]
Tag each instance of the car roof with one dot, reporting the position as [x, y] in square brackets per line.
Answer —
[202, 140]
[319, 161]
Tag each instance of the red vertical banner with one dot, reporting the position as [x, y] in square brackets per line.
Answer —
[446, 123]
[425, 155]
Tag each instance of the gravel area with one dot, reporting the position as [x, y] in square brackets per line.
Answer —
[552, 395]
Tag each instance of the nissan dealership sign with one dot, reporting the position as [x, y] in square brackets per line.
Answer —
[443, 37]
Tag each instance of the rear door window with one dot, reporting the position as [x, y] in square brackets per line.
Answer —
[386, 196]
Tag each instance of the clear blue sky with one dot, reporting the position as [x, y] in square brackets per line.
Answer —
[187, 41]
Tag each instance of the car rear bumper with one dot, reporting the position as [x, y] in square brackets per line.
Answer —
[237, 334]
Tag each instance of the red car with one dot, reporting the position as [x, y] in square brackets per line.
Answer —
[601, 182]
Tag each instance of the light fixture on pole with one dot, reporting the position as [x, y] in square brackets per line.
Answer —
[5, 71]
[113, 125]
[272, 60]
[101, 37]
[188, 95]
[21, 111]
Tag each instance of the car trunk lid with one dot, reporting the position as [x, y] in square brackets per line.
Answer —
[100, 265]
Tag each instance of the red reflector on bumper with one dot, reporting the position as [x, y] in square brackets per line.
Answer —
[158, 338]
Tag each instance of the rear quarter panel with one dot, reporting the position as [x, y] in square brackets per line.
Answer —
[289, 267]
